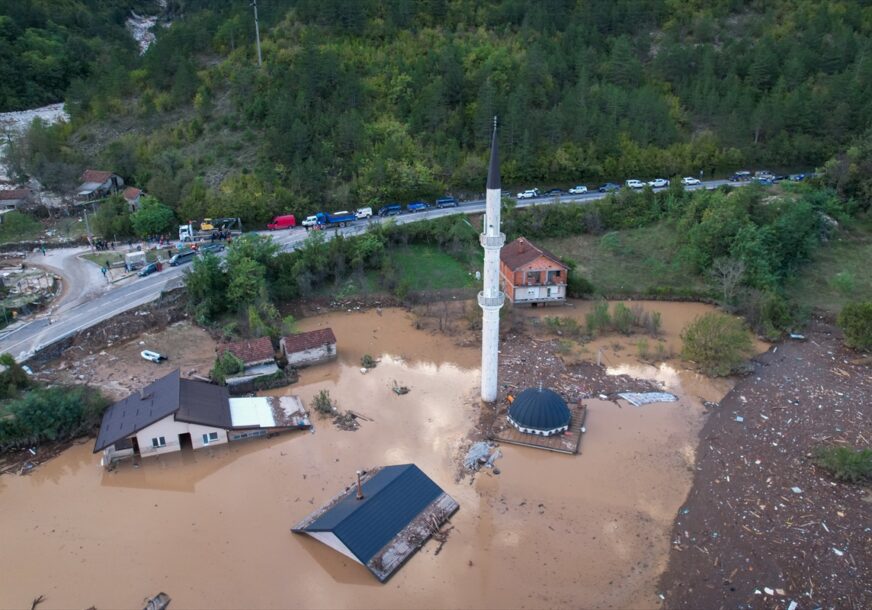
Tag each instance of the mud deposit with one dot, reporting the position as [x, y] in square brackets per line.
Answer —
[211, 527]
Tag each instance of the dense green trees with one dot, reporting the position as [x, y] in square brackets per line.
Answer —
[152, 217]
[376, 100]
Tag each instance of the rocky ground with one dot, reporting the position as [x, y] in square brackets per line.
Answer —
[763, 526]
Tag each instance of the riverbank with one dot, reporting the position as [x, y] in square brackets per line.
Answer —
[762, 525]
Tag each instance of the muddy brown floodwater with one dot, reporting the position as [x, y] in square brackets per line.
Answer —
[212, 527]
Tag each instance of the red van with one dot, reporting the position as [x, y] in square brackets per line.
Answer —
[282, 222]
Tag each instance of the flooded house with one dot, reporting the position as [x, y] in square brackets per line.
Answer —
[173, 414]
[383, 519]
[530, 274]
[257, 356]
[310, 347]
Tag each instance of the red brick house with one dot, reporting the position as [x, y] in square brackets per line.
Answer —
[131, 196]
[530, 274]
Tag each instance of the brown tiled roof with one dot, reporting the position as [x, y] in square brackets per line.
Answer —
[253, 351]
[94, 175]
[14, 194]
[131, 192]
[522, 251]
[303, 341]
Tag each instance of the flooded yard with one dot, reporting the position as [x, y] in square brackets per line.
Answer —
[212, 527]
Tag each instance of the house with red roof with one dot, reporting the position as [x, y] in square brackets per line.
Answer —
[132, 195]
[530, 274]
[310, 347]
[257, 356]
[14, 199]
[98, 184]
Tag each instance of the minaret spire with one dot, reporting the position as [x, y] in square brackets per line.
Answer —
[491, 298]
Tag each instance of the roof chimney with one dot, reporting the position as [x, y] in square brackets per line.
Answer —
[359, 487]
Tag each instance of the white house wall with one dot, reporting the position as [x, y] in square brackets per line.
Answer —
[170, 429]
[313, 355]
[539, 293]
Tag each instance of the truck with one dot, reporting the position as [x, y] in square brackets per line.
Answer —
[326, 221]
[219, 228]
[282, 222]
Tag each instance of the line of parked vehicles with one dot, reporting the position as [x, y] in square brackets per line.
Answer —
[608, 187]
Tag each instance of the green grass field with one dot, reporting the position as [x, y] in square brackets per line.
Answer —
[628, 262]
[839, 272]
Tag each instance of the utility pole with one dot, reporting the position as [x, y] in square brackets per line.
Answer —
[88, 228]
[257, 33]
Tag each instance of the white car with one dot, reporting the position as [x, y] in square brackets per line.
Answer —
[578, 190]
[658, 183]
[635, 184]
[363, 213]
[529, 194]
[152, 356]
[690, 181]
[310, 221]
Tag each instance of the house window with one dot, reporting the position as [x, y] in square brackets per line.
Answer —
[211, 437]
[158, 442]
[532, 278]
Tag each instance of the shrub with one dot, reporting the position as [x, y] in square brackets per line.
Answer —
[843, 282]
[323, 404]
[49, 414]
[367, 362]
[718, 343]
[622, 318]
[578, 286]
[855, 320]
[845, 463]
[226, 364]
[598, 320]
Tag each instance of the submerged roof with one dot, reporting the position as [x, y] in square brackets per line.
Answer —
[493, 172]
[253, 351]
[522, 251]
[308, 340]
[540, 409]
[393, 497]
[191, 401]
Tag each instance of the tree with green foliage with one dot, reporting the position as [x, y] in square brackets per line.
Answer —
[226, 365]
[206, 283]
[717, 343]
[855, 320]
[152, 217]
[19, 226]
[113, 218]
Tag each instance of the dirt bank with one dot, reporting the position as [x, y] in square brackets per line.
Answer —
[762, 525]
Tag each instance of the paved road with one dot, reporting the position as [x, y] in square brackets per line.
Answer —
[25, 339]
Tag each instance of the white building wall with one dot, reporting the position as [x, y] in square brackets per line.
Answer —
[312, 356]
[170, 429]
[539, 293]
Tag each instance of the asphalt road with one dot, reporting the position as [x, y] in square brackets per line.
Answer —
[26, 338]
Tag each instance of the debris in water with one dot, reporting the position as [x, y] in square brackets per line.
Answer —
[637, 399]
[399, 390]
[159, 602]
[481, 454]
[796, 490]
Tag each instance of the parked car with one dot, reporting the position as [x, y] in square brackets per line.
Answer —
[417, 206]
[658, 183]
[741, 176]
[529, 194]
[690, 181]
[764, 180]
[446, 202]
[310, 221]
[634, 184]
[554, 193]
[609, 187]
[578, 190]
[152, 356]
[213, 248]
[391, 209]
[363, 213]
[149, 269]
[183, 257]
[797, 177]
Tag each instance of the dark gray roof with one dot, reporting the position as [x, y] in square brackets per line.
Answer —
[493, 172]
[193, 402]
[204, 403]
[540, 409]
[139, 410]
[393, 497]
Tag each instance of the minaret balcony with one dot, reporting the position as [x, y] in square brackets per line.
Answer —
[496, 301]
[492, 241]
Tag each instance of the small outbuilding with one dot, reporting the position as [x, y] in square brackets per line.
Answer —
[539, 411]
[15, 199]
[257, 356]
[97, 184]
[383, 519]
[310, 347]
[132, 195]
